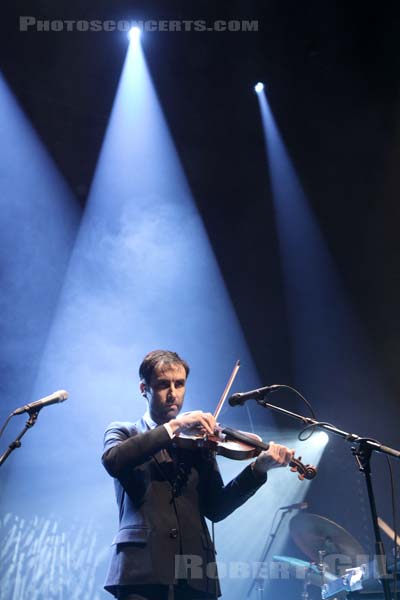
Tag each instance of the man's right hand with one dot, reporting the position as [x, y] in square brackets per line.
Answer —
[195, 422]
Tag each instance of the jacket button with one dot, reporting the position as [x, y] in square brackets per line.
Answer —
[173, 533]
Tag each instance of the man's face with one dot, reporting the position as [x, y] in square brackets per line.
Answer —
[165, 392]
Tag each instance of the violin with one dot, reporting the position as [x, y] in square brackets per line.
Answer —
[236, 444]
[240, 445]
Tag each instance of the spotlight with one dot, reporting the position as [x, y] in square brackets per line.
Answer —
[321, 438]
[134, 34]
[259, 87]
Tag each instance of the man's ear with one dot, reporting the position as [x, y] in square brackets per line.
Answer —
[143, 389]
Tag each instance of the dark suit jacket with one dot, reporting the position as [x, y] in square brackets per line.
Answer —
[162, 507]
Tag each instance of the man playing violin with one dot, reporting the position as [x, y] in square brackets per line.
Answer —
[163, 550]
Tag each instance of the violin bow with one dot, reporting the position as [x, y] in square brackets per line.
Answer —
[227, 389]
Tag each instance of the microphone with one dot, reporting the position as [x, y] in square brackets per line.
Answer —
[240, 398]
[54, 398]
[295, 506]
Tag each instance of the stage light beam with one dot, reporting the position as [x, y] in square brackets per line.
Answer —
[120, 300]
[134, 34]
[320, 439]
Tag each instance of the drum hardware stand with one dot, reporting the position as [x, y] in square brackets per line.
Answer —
[322, 567]
[307, 580]
[321, 563]
[304, 594]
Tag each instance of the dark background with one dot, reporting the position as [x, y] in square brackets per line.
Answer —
[332, 77]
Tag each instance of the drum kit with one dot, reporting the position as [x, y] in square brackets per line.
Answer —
[338, 564]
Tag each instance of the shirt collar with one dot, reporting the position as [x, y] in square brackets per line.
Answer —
[148, 420]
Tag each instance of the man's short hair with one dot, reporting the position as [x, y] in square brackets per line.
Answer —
[160, 357]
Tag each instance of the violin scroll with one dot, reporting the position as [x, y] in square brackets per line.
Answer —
[304, 471]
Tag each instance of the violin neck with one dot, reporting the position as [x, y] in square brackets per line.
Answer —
[234, 434]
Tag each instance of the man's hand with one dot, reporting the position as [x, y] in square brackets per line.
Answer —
[195, 422]
[276, 456]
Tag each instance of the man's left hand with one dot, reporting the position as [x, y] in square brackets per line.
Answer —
[276, 456]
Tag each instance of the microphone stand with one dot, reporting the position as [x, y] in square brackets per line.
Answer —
[259, 580]
[362, 452]
[17, 442]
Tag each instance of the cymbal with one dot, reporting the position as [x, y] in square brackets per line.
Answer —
[312, 533]
[300, 569]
